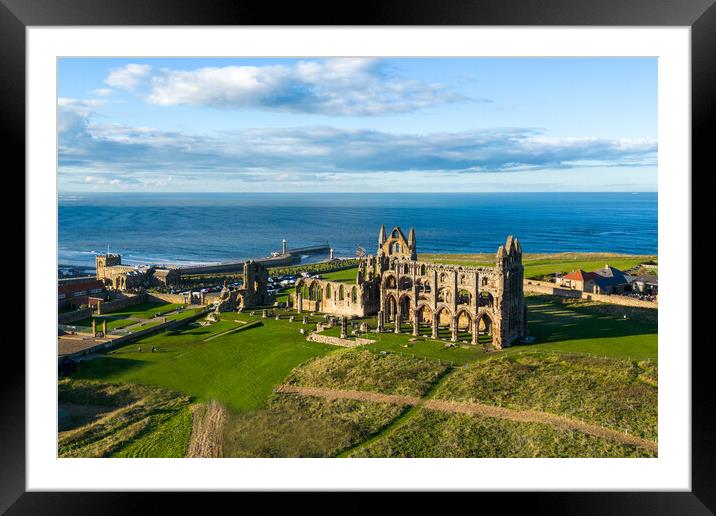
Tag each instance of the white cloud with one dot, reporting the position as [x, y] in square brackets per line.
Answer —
[322, 153]
[102, 92]
[128, 77]
[336, 87]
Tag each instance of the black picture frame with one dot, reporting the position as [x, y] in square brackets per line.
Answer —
[17, 15]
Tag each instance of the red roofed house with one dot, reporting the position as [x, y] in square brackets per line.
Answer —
[79, 291]
[608, 280]
[579, 280]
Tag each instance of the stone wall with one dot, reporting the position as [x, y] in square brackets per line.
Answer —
[337, 341]
[619, 300]
[550, 289]
[75, 315]
[167, 298]
[111, 306]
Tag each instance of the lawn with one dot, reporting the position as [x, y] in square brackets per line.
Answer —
[239, 369]
[146, 310]
[557, 325]
[128, 316]
[537, 265]
[113, 323]
[344, 276]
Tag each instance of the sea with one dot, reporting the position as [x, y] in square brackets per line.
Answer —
[199, 228]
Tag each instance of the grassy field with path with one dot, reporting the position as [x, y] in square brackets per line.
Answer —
[238, 369]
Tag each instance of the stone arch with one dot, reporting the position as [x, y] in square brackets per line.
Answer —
[341, 293]
[444, 295]
[487, 299]
[464, 297]
[485, 325]
[391, 307]
[444, 315]
[315, 292]
[329, 291]
[354, 295]
[423, 269]
[424, 314]
[464, 320]
[406, 283]
[425, 287]
[406, 305]
[406, 268]
[390, 281]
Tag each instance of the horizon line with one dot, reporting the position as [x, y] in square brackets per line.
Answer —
[353, 192]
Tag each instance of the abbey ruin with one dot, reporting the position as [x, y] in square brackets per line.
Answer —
[404, 291]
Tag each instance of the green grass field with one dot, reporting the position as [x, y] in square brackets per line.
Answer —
[536, 265]
[296, 426]
[363, 370]
[617, 394]
[238, 369]
[146, 310]
[344, 276]
[437, 434]
[168, 438]
[135, 315]
[557, 324]
[135, 420]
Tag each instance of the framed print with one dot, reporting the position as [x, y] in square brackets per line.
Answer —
[406, 251]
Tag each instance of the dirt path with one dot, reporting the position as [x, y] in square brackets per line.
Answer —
[334, 394]
[207, 433]
[523, 416]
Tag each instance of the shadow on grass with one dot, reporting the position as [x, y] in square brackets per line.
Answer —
[552, 322]
[106, 367]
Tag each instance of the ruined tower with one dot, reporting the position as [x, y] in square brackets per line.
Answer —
[511, 305]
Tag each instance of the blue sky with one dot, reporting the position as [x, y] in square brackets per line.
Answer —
[447, 124]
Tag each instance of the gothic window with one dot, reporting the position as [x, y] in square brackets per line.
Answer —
[444, 295]
[463, 297]
[341, 293]
[354, 295]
